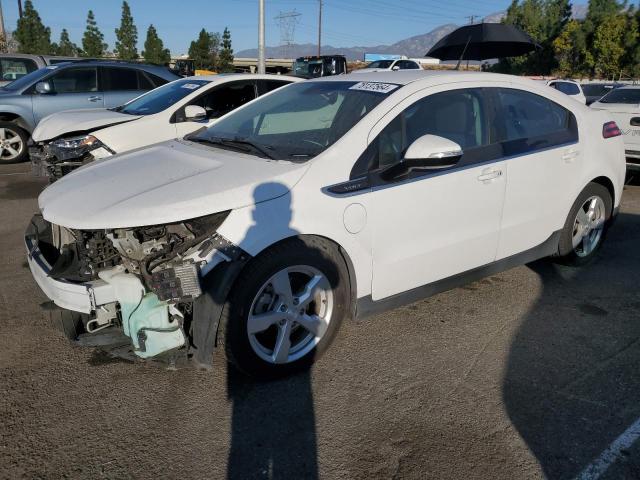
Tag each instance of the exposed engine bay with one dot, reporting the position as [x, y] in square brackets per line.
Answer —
[154, 274]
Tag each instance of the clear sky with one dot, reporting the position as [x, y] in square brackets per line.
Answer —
[346, 23]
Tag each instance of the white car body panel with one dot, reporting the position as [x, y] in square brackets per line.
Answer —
[462, 220]
[141, 187]
[58, 124]
[622, 113]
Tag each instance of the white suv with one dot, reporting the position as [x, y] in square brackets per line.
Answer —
[324, 200]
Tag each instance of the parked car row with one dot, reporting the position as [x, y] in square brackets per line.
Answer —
[260, 224]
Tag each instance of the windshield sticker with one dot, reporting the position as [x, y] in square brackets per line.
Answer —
[191, 86]
[374, 87]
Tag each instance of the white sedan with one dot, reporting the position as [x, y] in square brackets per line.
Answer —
[623, 104]
[69, 139]
[570, 88]
[390, 65]
[322, 201]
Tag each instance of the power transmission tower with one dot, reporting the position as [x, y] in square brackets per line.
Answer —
[287, 22]
[472, 18]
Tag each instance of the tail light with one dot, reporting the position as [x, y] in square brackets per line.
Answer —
[610, 129]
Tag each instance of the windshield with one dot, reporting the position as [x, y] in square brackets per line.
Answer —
[161, 98]
[622, 95]
[299, 121]
[380, 64]
[29, 79]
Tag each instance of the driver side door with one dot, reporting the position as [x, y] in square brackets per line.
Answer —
[429, 225]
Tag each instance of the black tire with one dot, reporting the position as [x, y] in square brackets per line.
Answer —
[70, 323]
[566, 252]
[24, 137]
[233, 335]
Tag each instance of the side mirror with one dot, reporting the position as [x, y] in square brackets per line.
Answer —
[194, 113]
[44, 88]
[429, 152]
[395, 68]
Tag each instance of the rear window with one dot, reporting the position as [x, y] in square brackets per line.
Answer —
[595, 89]
[567, 88]
[14, 68]
[622, 95]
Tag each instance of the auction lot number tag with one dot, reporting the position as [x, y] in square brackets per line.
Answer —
[374, 87]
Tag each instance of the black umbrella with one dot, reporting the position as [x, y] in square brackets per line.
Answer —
[482, 41]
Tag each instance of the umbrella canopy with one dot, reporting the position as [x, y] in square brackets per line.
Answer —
[482, 41]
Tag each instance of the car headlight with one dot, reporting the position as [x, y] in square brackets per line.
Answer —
[87, 142]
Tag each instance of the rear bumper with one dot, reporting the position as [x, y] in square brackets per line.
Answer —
[79, 297]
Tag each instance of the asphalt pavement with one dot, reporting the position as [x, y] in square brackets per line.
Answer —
[531, 373]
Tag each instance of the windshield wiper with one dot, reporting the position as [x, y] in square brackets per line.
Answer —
[238, 144]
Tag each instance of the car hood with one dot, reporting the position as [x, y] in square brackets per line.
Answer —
[68, 121]
[164, 183]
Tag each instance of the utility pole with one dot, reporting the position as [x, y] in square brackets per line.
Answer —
[471, 19]
[319, 27]
[3, 35]
[261, 65]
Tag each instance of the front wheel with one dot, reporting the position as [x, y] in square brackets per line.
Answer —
[13, 143]
[285, 308]
[586, 225]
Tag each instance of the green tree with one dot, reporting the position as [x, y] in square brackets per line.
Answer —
[126, 35]
[65, 47]
[608, 46]
[204, 50]
[225, 58]
[568, 50]
[31, 34]
[154, 51]
[93, 39]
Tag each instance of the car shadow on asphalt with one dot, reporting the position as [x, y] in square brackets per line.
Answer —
[273, 423]
[571, 385]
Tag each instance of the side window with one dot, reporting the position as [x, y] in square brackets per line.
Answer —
[14, 68]
[531, 122]
[155, 80]
[119, 79]
[144, 82]
[408, 65]
[265, 86]
[527, 115]
[458, 115]
[225, 98]
[75, 80]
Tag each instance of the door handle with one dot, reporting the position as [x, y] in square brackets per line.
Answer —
[94, 98]
[489, 174]
[570, 155]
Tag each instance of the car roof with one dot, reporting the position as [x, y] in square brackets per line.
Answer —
[405, 77]
[630, 87]
[220, 77]
[157, 70]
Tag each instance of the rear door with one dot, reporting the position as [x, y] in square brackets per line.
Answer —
[72, 88]
[121, 84]
[540, 141]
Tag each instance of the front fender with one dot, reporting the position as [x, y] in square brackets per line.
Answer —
[21, 115]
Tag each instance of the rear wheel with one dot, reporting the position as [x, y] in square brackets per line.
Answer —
[586, 225]
[285, 308]
[13, 143]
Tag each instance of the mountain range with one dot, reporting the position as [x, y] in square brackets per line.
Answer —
[415, 46]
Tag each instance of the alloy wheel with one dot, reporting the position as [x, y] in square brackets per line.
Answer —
[11, 145]
[290, 314]
[588, 226]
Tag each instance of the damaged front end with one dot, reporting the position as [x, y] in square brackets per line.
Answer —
[54, 159]
[144, 281]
